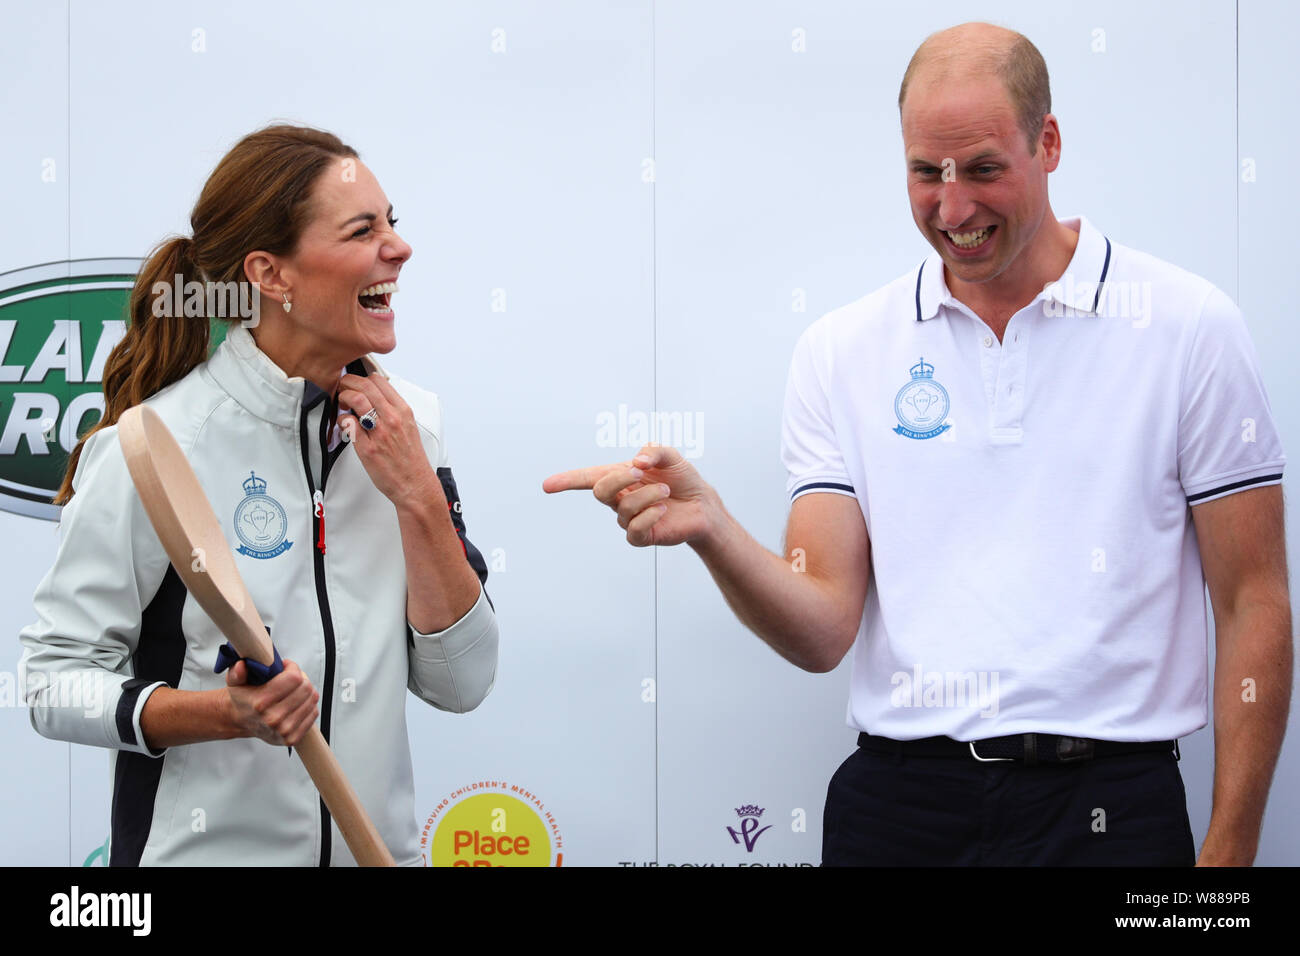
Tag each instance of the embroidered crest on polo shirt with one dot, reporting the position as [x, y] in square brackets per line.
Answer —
[922, 404]
[260, 521]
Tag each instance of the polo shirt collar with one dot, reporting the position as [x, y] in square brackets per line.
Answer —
[1079, 287]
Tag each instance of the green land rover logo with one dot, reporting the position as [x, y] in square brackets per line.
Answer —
[58, 322]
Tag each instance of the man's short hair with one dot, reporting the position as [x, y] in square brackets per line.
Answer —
[1020, 67]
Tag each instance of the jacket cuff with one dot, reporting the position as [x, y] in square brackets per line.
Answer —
[464, 633]
[455, 669]
[91, 706]
[126, 716]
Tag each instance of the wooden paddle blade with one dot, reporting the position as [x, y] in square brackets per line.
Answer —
[189, 531]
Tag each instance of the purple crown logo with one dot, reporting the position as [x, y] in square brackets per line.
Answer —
[749, 831]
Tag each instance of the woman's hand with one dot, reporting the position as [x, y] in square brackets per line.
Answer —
[391, 452]
[280, 711]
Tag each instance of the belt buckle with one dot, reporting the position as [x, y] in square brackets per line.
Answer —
[987, 759]
[1072, 749]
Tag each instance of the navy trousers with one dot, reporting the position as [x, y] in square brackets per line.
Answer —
[902, 810]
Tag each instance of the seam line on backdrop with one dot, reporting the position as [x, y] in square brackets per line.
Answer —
[654, 392]
[66, 172]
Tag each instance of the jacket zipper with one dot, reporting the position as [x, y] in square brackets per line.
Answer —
[318, 505]
[322, 598]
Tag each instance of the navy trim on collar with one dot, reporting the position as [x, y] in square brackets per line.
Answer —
[1105, 267]
[919, 273]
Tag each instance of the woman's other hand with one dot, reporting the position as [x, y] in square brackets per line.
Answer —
[280, 711]
[391, 451]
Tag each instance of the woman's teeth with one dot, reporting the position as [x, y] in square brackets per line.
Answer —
[379, 296]
[969, 240]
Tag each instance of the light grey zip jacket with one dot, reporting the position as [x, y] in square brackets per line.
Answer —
[114, 623]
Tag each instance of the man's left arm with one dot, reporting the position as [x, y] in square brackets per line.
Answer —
[1243, 553]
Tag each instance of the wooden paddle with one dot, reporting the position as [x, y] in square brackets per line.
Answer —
[192, 537]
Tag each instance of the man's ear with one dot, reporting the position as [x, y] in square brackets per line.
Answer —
[1050, 143]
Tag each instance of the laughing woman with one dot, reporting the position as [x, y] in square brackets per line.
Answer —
[288, 423]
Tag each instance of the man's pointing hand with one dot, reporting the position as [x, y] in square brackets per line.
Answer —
[659, 497]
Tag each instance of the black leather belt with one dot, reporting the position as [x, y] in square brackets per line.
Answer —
[1028, 749]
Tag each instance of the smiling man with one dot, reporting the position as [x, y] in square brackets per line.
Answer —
[1009, 493]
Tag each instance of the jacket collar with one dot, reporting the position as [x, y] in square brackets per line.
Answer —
[259, 385]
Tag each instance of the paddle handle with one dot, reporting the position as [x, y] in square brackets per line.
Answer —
[344, 806]
[246, 632]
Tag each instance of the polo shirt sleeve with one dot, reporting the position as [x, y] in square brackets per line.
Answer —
[1227, 440]
[809, 448]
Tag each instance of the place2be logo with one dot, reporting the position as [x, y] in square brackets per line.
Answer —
[491, 823]
[749, 830]
[58, 322]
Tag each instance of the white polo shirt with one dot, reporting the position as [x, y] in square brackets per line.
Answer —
[1033, 558]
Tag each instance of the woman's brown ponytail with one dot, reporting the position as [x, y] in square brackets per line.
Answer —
[258, 198]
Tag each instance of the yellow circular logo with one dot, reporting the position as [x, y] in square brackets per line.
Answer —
[491, 823]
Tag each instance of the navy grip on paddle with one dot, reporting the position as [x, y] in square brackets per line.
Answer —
[258, 673]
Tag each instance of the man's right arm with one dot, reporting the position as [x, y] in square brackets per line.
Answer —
[807, 605]
[807, 608]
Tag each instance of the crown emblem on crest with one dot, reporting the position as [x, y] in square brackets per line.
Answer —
[922, 369]
[254, 485]
[749, 810]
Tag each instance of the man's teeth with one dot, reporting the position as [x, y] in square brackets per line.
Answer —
[969, 240]
[379, 288]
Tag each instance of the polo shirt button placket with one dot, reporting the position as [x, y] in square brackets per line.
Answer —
[1008, 401]
[989, 360]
